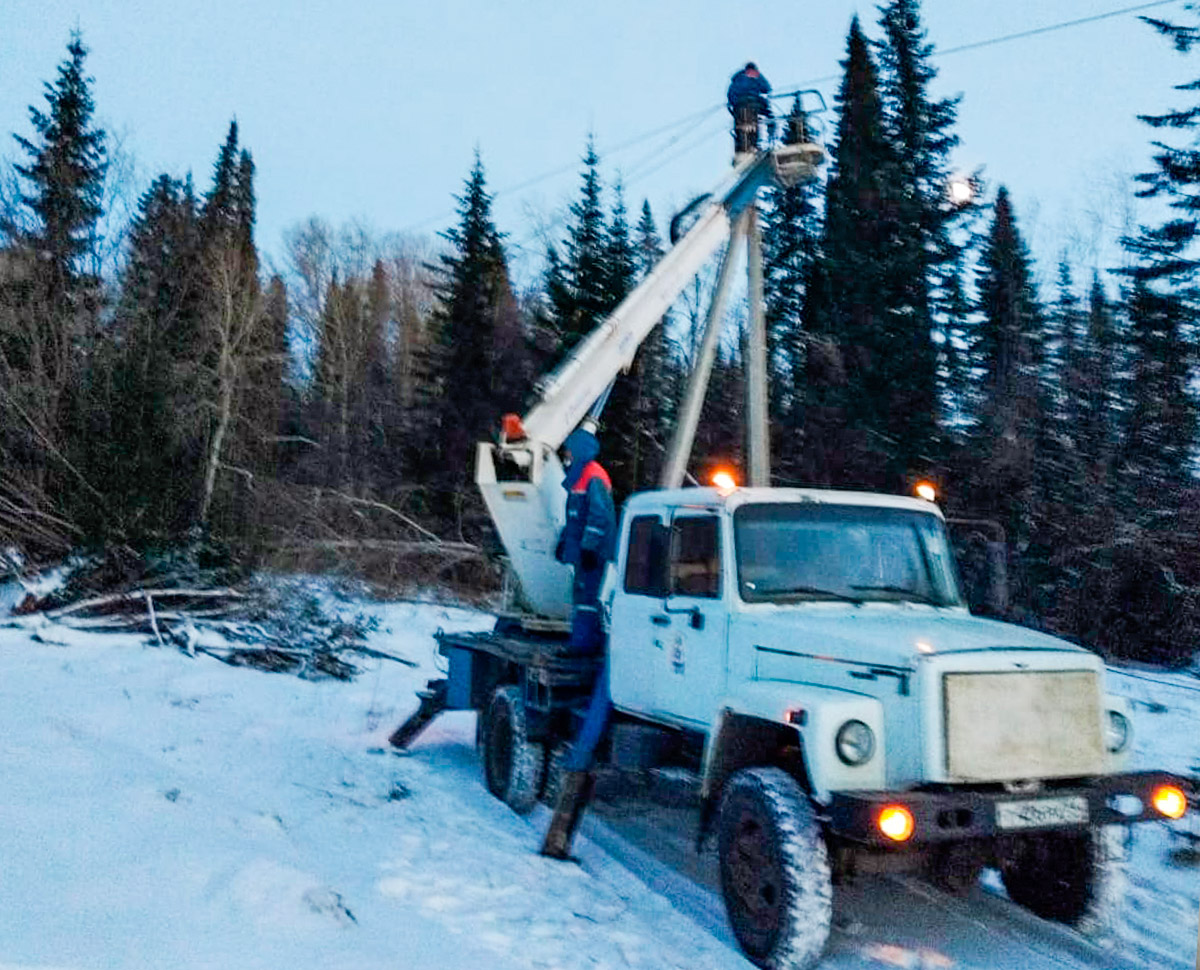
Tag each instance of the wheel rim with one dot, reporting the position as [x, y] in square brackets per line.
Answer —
[756, 880]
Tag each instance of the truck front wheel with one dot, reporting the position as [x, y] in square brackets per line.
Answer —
[1075, 879]
[512, 764]
[774, 869]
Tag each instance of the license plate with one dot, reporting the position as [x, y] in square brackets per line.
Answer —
[1038, 812]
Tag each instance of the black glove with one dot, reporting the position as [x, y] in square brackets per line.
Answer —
[560, 548]
[588, 559]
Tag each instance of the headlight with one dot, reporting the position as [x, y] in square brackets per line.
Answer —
[855, 743]
[1117, 734]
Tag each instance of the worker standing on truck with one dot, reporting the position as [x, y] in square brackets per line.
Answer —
[747, 99]
[588, 539]
[588, 543]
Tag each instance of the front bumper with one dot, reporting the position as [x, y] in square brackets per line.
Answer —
[956, 813]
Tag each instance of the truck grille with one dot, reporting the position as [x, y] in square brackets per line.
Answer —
[1035, 724]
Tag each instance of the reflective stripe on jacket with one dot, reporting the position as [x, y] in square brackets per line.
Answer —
[591, 518]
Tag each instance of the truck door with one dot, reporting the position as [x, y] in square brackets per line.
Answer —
[637, 637]
[691, 673]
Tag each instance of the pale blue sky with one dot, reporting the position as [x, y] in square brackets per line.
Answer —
[372, 108]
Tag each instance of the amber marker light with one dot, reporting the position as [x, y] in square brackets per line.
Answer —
[724, 481]
[896, 822]
[926, 490]
[1169, 801]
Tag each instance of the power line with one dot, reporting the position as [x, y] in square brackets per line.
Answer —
[696, 117]
[699, 116]
[1004, 38]
[1051, 27]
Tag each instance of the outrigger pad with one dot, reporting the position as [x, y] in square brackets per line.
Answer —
[433, 702]
[573, 798]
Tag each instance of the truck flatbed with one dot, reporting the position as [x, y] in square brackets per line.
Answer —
[545, 655]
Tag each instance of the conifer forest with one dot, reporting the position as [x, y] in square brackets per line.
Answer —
[164, 385]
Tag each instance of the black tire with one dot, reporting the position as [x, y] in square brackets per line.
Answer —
[512, 764]
[774, 870]
[1074, 878]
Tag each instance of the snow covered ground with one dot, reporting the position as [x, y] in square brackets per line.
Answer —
[160, 810]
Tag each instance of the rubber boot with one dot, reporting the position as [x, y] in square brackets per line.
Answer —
[573, 798]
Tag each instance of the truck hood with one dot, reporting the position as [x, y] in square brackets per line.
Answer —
[890, 634]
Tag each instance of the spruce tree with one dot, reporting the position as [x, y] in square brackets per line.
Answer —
[583, 296]
[51, 301]
[1098, 400]
[658, 377]
[1164, 251]
[874, 418]
[620, 268]
[478, 339]
[1060, 467]
[1163, 301]
[1159, 432]
[791, 237]
[925, 263]
[153, 468]
[621, 429]
[66, 169]
[1008, 352]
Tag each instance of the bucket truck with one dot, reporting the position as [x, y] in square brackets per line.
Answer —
[806, 654]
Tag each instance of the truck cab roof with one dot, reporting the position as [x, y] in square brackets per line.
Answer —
[731, 499]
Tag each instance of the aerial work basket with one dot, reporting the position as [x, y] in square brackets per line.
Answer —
[795, 164]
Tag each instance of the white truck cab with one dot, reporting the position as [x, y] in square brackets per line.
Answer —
[855, 715]
[790, 604]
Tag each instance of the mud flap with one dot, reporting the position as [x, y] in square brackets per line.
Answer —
[573, 798]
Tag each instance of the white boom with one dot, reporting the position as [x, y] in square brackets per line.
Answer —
[521, 480]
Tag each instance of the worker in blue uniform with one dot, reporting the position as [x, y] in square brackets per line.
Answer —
[588, 543]
[747, 99]
[588, 539]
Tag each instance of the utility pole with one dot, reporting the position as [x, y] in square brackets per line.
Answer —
[758, 439]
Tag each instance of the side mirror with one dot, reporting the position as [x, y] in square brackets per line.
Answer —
[982, 554]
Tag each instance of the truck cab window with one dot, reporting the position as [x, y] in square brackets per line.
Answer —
[695, 557]
[646, 564]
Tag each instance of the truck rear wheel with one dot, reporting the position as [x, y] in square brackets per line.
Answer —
[774, 869]
[1074, 878]
[512, 764]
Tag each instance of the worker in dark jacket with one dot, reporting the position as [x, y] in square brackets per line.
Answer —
[588, 539]
[747, 99]
[588, 543]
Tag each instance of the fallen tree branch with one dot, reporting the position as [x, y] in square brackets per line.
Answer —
[153, 621]
[371, 503]
[399, 546]
[135, 596]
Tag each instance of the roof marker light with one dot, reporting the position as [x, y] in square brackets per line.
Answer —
[926, 490]
[723, 481]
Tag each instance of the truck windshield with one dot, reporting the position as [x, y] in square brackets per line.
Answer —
[792, 552]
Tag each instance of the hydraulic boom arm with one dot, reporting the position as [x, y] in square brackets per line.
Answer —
[521, 478]
[568, 393]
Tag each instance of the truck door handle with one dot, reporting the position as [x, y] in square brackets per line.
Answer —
[659, 620]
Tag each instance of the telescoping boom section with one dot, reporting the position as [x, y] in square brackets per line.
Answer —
[521, 477]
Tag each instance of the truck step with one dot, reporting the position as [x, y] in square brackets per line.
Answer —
[433, 702]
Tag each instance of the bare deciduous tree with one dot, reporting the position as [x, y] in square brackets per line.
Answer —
[233, 317]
